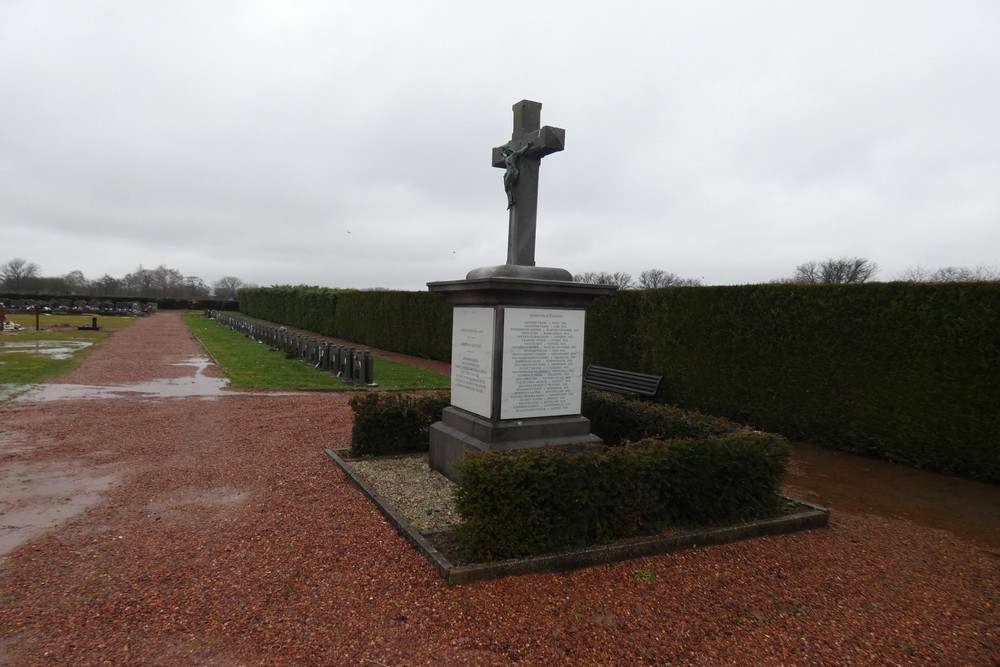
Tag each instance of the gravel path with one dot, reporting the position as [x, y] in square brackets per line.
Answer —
[223, 535]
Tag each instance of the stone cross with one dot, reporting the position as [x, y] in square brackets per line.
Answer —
[524, 153]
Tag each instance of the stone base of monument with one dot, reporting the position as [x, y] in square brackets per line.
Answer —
[516, 363]
[460, 432]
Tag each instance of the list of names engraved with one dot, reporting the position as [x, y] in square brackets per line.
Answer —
[542, 362]
[472, 360]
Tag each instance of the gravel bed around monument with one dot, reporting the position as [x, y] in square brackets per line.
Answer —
[423, 496]
[230, 538]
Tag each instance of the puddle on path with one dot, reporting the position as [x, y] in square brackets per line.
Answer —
[56, 349]
[197, 386]
[12, 390]
[35, 497]
[860, 485]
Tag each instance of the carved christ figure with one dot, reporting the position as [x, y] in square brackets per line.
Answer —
[510, 174]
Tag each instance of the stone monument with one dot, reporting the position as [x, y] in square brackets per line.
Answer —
[518, 329]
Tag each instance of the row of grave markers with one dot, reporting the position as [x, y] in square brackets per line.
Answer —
[347, 363]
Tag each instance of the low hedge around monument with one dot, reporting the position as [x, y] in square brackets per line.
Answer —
[618, 419]
[386, 424]
[698, 470]
[533, 501]
[397, 423]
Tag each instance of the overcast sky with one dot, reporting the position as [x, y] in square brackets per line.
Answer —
[348, 144]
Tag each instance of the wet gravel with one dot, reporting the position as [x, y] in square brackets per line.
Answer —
[421, 495]
[230, 538]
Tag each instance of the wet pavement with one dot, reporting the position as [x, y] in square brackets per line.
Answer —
[199, 385]
[844, 482]
[56, 349]
[38, 496]
[859, 485]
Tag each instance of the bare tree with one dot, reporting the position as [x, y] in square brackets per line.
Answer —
[167, 282]
[227, 287]
[654, 278]
[839, 270]
[107, 285]
[16, 272]
[954, 274]
[619, 279]
[195, 287]
[949, 274]
[913, 274]
[76, 283]
[138, 283]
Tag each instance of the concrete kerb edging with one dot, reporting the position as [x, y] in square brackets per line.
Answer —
[812, 516]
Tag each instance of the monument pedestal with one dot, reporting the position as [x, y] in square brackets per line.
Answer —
[517, 365]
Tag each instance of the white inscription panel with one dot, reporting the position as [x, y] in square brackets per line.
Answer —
[472, 360]
[542, 363]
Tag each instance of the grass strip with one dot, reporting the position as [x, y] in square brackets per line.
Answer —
[28, 357]
[47, 320]
[250, 365]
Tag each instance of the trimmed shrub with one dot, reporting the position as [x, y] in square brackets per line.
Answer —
[901, 371]
[303, 307]
[393, 423]
[414, 323]
[527, 502]
[618, 419]
[711, 481]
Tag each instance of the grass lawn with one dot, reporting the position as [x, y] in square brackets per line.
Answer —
[250, 365]
[29, 356]
[48, 321]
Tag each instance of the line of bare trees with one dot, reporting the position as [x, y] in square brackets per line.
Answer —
[836, 270]
[851, 270]
[19, 276]
[649, 279]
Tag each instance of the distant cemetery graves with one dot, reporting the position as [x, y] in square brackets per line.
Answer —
[79, 307]
[349, 364]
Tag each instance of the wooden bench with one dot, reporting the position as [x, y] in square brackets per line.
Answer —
[622, 382]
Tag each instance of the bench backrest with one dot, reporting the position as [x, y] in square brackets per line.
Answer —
[622, 382]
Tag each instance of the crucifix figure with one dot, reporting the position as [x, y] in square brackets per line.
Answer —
[520, 158]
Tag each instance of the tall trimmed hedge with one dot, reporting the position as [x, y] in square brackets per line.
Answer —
[310, 308]
[907, 372]
[414, 323]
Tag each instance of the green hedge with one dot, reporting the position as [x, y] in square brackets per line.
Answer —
[902, 371]
[414, 323]
[310, 308]
[393, 423]
[394, 420]
[618, 419]
[527, 502]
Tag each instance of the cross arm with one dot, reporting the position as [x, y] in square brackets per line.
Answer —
[544, 141]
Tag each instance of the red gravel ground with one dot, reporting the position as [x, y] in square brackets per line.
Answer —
[229, 538]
